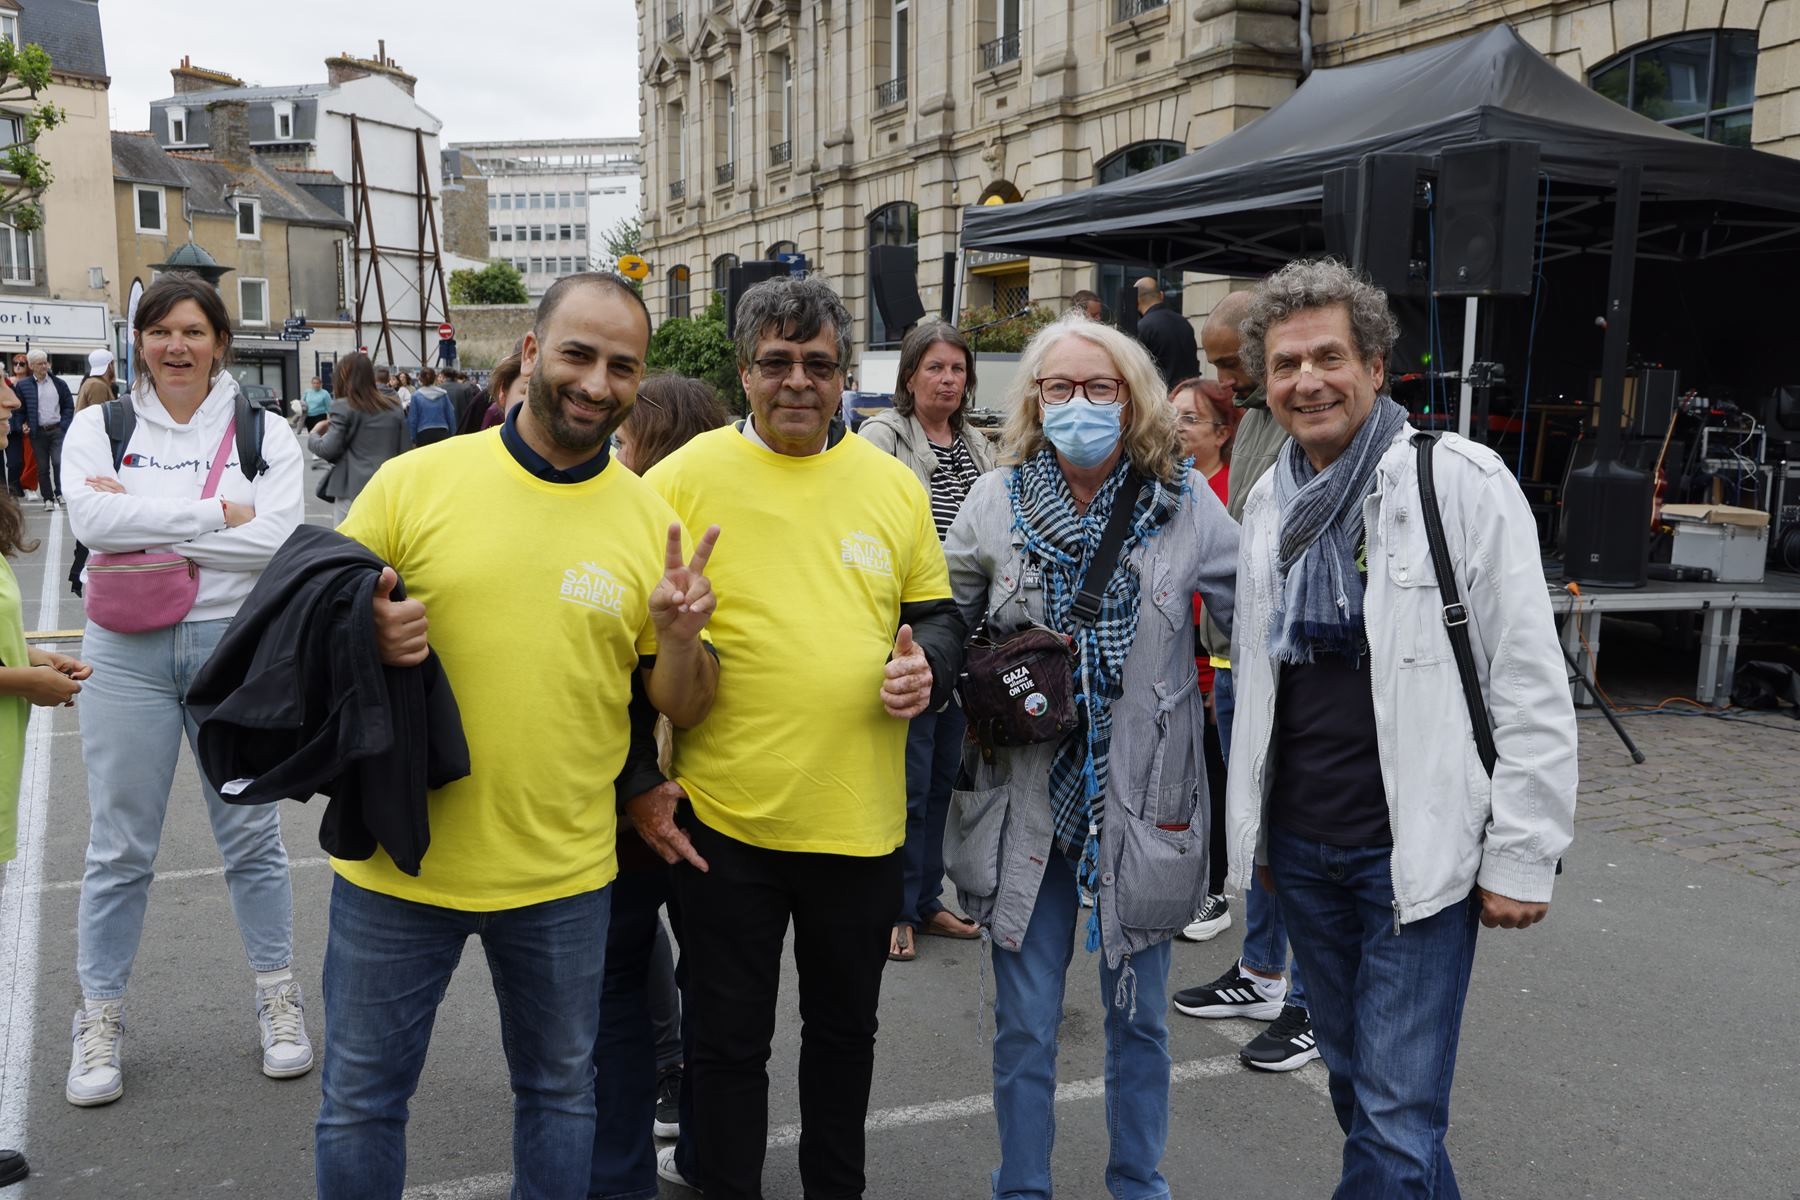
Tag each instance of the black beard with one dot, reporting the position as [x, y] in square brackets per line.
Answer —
[547, 410]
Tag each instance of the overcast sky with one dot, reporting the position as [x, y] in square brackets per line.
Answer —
[514, 69]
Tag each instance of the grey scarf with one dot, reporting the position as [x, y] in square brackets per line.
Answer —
[1321, 528]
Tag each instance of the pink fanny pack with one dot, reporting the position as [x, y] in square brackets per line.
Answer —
[139, 591]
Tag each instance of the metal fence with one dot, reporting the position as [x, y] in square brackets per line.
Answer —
[724, 173]
[891, 92]
[1000, 50]
[1124, 10]
[678, 189]
[781, 152]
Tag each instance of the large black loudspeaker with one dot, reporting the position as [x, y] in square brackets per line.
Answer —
[894, 274]
[1606, 525]
[1371, 220]
[1486, 217]
[741, 279]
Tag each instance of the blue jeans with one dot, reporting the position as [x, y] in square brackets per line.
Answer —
[1028, 1011]
[1387, 1012]
[1265, 936]
[387, 964]
[133, 716]
[625, 1053]
[933, 754]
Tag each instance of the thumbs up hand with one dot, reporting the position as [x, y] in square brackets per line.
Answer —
[399, 624]
[906, 684]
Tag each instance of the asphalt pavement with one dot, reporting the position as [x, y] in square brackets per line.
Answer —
[1636, 1045]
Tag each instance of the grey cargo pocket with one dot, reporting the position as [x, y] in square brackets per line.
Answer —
[972, 835]
[1161, 872]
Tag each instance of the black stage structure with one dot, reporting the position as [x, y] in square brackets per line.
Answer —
[1713, 232]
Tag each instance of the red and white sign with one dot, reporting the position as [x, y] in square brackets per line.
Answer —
[445, 331]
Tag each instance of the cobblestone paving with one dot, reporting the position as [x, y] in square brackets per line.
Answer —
[1720, 792]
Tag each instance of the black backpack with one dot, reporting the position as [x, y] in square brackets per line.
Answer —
[121, 422]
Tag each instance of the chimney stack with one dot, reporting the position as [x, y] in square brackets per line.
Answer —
[189, 78]
[343, 68]
[230, 130]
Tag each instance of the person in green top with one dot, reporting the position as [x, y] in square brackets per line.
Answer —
[27, 676]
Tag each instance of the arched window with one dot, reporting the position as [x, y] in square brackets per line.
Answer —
[780, 248]
[892, 225]
[722, 273]
[1111, 278]
[678, 291]
[1700, 83]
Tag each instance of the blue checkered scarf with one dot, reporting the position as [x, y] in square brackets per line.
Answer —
[1321, 606]
[1062, 541]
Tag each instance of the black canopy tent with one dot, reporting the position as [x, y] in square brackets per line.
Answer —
[1252, 200]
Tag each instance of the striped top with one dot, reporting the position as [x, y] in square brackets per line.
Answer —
[956, 473]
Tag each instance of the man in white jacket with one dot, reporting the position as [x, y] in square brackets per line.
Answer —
[1358, 792]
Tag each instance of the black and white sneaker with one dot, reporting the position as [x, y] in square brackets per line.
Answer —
[667, 1123]
[1213, 919]
[1232, 994]
[1286, 1045]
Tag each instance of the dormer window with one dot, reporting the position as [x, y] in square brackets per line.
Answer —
[249, 219]
[9, 28]
[284, 120]
[178, 126]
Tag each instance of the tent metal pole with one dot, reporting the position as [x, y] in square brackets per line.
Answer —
[956, 303]
[1466, 399]
[1306, 42]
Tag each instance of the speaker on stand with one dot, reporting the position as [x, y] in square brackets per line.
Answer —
[741, 279]
[894, 276]
[1486, 219]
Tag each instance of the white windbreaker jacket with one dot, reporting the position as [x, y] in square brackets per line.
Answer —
[1452, 826]
[164, 473]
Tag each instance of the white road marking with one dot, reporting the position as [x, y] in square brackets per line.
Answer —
[20, 892]
[69, 885]
[491, 1187]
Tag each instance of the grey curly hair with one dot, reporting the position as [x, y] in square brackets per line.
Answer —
[794, 309]
[1317, 283]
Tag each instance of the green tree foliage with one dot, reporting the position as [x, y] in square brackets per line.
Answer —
[23, 74]
[497, 283]
[699, 348]
[1007, 337]
[621, 239]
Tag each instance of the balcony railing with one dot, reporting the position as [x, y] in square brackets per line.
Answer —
[673, 26]
[781, 152]
[1000, 50]
[890, 93]
[1127, 9]
[724, 173]
[678, 189]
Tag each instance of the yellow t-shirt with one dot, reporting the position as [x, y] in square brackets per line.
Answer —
[538, 597]
[815, 557]
[15, 711]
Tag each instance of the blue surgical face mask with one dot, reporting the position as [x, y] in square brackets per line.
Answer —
[1083, 431]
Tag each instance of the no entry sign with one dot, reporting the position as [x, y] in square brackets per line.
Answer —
[445, 332]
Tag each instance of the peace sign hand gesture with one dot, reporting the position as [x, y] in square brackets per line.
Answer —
[683, 600]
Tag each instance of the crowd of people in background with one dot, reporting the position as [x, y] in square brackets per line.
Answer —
[761, 714]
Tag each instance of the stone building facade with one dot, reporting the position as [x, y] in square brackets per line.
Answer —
[822, 127]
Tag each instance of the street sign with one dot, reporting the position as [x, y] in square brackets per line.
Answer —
[633, 267]
[294, 323]
[296, 335]
[445, 331]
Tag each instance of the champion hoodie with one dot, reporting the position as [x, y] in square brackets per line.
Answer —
[164, 471]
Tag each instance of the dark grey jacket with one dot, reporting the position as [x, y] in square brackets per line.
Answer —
[357, 443]
[1153, 839]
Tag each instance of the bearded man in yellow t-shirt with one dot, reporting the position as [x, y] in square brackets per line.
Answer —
[835, 628]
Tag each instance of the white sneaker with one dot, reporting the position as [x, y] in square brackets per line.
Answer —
[281, 1018]
[49, 506]
[1213, 919]
[666, 1169]
[95, 1075]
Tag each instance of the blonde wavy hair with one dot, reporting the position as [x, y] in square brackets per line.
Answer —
[1149, 425]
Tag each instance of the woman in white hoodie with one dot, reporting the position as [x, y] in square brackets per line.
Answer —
[133, 709]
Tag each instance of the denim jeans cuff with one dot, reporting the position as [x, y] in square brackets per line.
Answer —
[1273, 970]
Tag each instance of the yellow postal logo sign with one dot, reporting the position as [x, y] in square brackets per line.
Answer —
[633, 267]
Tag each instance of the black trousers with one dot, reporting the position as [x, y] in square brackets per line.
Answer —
[735, 919]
